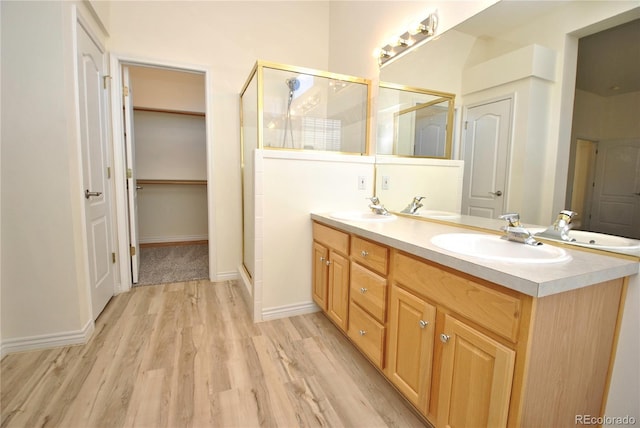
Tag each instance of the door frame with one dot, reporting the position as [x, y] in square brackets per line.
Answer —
[119, 161]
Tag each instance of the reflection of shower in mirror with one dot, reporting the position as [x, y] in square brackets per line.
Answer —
[293, 84]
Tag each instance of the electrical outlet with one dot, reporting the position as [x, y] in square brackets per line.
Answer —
[362, 182]
[385, 182]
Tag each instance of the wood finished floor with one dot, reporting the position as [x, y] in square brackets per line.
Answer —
[187, 355]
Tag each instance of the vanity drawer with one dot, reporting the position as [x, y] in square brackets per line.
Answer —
[332, 238]
[369, 290]
[482, 304]
[366, 333]
[370, 254]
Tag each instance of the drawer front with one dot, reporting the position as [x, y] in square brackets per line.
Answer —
[370, 254]
[332, 238]
[498, 312]
[369, 290]
[367, 334]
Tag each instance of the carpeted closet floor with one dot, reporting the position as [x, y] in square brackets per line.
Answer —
[165, 264]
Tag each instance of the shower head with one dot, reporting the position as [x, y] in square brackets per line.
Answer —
[293, 84]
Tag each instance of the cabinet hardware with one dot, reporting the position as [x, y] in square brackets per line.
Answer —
[423, 323]
[363, 290]
[444, 338]
[364, 253]
[328, 262]
[362, 332]
[322, 259]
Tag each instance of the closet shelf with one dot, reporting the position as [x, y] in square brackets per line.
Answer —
[189, 182]
[160, 110]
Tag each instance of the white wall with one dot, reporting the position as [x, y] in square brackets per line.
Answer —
[439, 181]
[227, 37]
[289, 186]
[44, 276]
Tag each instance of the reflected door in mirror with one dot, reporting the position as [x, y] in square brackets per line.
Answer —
[486, 143]
[616, 193]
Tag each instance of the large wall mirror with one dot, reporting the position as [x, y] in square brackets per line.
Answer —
[414, 121]
[570, 75]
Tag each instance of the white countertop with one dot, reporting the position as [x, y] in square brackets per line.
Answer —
[414, 237]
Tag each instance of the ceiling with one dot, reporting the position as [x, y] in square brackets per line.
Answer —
[610, 59]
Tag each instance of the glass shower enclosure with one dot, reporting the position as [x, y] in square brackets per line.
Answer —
[288, 108]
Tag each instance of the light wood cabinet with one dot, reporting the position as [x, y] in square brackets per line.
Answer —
[338, 289]
[410, 347]
[475, 378]
[320, 272]
[330, 285]
[367, 334]
[465, 351]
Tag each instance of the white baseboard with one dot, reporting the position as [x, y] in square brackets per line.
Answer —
[225, 276]
[179, 238]
[46, 341]
[289, 311]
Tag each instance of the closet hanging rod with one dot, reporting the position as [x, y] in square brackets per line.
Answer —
[162, 110]
[190, 182]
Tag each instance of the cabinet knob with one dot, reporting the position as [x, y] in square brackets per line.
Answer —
[363, 290]
[322, 259]
[328, 262]
[362, 332]
[444, 338]
[423, 323]
[364, 253]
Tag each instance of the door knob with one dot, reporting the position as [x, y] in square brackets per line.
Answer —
[496, 193]
[88, 194]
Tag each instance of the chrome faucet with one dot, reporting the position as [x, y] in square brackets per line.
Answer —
[560, 228]
[413, 207]
[377, 207]
[516, 232]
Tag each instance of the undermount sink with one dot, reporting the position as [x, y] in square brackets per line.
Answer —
[602, 241]
[441, 215]
[493, 247]
[361, 216]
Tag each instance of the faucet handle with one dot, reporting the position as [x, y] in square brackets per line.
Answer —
[374, 200]
[567, 215]
[417, 199]
[512, 218]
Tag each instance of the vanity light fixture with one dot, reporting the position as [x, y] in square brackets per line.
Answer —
[416, 35]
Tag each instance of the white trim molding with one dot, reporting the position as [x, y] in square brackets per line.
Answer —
[45, 341]
[289, 311]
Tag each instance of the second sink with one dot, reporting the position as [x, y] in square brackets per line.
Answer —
[492, 247]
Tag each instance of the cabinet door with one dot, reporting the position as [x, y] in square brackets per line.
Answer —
[476, 376]
[320, 258]
[338, 296]
[410, 348]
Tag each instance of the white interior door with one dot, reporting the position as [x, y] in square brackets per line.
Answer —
[485, 155]
[616, 193]
[431, 131]
[95, 163]
[132, 190]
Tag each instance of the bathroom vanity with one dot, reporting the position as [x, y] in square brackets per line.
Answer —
[470, 341]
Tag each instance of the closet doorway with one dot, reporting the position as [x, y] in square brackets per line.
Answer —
[166, 167]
